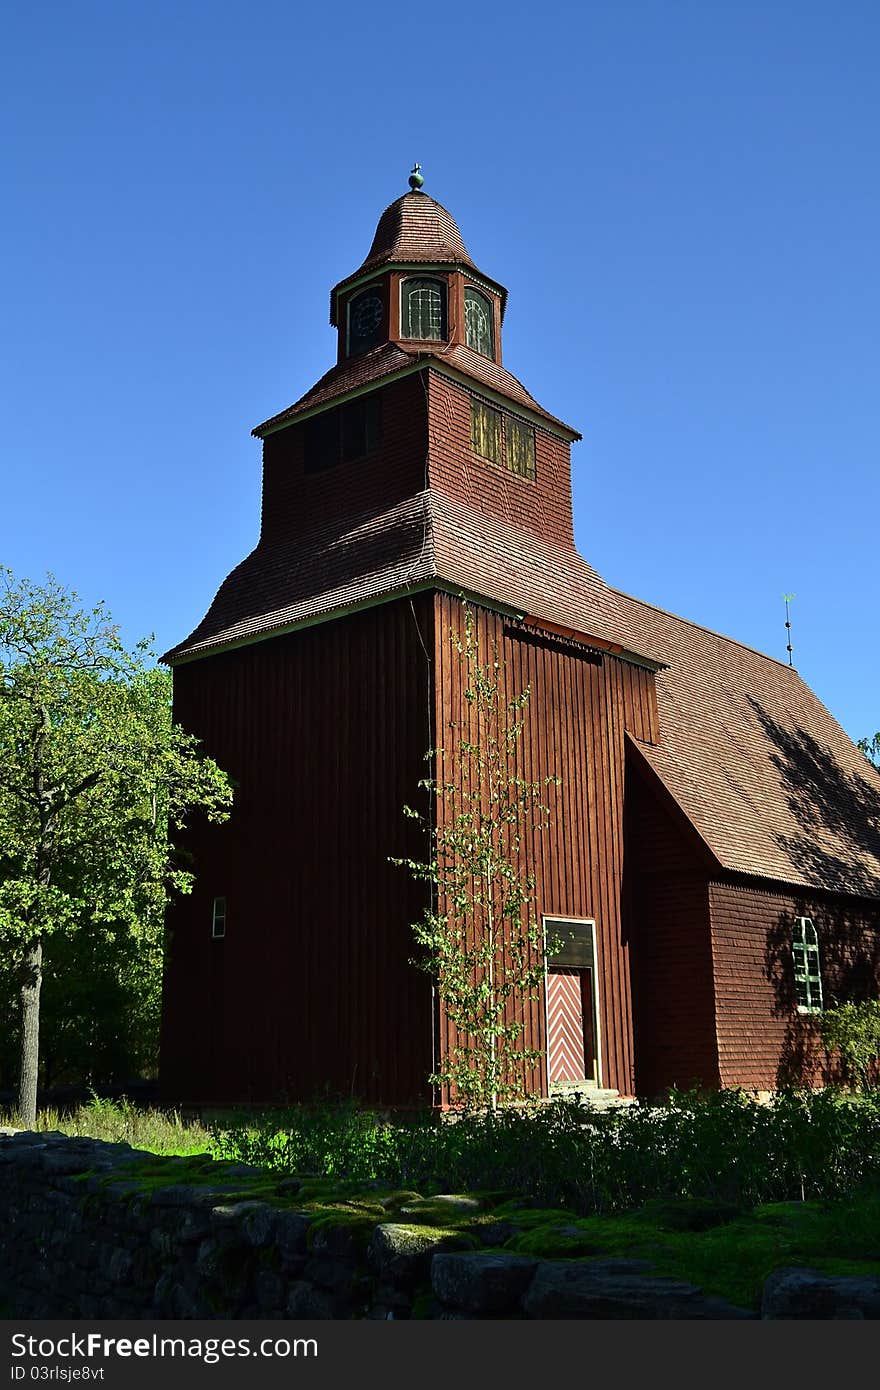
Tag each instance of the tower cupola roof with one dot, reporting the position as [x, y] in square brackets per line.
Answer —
[416, 228]
[413, 230]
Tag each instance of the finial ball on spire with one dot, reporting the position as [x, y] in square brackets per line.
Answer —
[415, 178]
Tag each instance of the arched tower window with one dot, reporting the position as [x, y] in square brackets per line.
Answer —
[423, 309]
[478, 318]
[366, 314]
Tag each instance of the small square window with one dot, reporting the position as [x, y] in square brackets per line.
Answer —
[218, 919]
[486, 432]
[321, 442]
[807, 968]
[520, 448]
[361, 427]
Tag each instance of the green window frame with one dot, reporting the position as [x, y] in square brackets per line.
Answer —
[423, 309]
[321, 442]
[487, 434]
[478, 323]
[520, 448]
[807, 966]
[361, 428]
[218, 919]
[343, 434]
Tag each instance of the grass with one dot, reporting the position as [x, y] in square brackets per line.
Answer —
[157, 1131]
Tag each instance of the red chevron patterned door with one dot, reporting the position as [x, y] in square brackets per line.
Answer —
[565, 1026]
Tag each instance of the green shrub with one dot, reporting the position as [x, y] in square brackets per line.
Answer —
[723, 1147]
[854, 1029]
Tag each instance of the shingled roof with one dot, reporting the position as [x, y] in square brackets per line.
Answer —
[755, 761]
[413, 230]
[759, 767]
[429, 538]
[389, 359]
[416, 227]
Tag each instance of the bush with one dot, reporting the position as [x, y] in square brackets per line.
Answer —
[854, 1029]
[723, 1147]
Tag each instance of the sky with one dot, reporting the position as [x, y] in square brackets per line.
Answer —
[681, 197]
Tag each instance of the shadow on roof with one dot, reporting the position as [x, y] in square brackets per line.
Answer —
[837, 811]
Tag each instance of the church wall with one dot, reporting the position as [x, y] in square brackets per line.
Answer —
[297, 503]
[324, 732]
[575, 722]
[542, 505]
[763, 1041]
[667, 917]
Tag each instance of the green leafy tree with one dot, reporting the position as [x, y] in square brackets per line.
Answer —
[95, 779]
[871, 749]
[479, 938]
[854, 1030]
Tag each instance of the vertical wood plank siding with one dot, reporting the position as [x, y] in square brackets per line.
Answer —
[575, 721]
[667, 921]
[325, 732]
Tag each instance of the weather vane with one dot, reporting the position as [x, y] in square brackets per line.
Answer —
[788, 598]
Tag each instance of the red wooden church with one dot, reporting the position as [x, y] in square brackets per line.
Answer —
[715, 840]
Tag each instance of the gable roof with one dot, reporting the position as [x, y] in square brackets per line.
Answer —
[755, 761]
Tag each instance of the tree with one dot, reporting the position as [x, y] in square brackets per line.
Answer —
[871, 749]
[94, 780]
[479, 939]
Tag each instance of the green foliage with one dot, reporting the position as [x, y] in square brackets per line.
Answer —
[723, 1148]
[854, 1030]
[317, 1140]
[95, 780]
[99, 1006]
[871, 749]
[122, 1122]
[479, 939]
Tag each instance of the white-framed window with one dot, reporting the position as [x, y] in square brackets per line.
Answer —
[807, 967]
[218, 919]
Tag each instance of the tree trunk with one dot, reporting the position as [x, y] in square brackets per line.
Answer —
[30, 1035]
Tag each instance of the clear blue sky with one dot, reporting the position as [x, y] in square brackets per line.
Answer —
[682, 197]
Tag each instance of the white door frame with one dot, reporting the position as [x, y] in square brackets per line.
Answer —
[594, 971]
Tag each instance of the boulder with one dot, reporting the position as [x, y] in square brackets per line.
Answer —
[617, 1289]
[401, 1255]
[482, 1282]
[807, 1293]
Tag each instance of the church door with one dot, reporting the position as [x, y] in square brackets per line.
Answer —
[572, 1032]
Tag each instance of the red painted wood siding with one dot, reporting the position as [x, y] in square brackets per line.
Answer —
[667, 922]
[296, 502]
[575, 726]
[542, 506]
[762, 1040]
[325, 732]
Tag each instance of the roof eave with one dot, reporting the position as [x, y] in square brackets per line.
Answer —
[424, 360]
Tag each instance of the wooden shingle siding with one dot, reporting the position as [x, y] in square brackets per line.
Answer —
[296, 504]
[541, 505]
[762, 1039]
[325, 732]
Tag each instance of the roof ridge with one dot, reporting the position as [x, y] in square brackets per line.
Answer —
[701, 627]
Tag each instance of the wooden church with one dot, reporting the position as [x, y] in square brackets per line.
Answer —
[713, 848]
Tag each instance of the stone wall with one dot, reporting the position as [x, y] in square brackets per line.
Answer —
[90, 1229]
